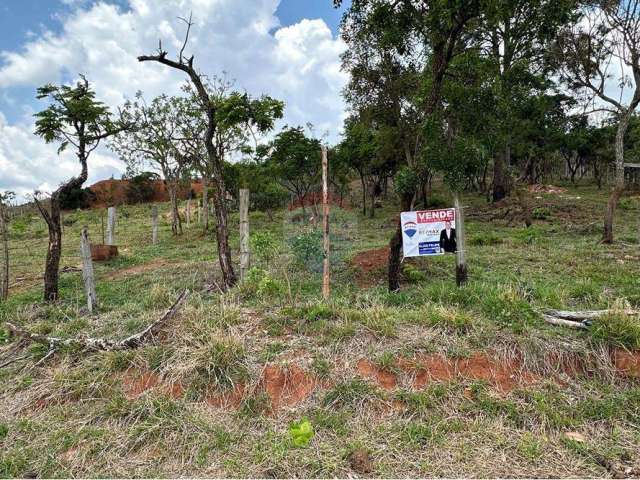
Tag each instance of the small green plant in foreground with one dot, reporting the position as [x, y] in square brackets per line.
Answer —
[617, 329]
[301, 432]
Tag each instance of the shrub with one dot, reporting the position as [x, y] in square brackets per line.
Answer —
[307, 250]
[541, 213]
[141, 187]
[76, 198]
[262, 283]
[264, 246]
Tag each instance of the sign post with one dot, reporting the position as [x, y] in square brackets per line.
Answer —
[325, 224]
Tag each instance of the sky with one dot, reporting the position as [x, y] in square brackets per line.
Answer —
[289, 49]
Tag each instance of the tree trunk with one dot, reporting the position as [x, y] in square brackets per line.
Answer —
[395, 247]
[52, 262]
[222, 229]
[461, 262]
[618, 188]
[205, 202]
[372, 198]
[176, 223]
[364, 196]
[499, 180]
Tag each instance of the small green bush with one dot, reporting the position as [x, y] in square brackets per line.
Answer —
[264, 246]
[541, 213]
[307, 250]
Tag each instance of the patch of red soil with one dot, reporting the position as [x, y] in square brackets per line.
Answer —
[370, 264]
[504, 376]
[230, 399]
[627, 363]
[101, 252]
[137, 382]
[114, 192]
[384, 378]
[312, 198]
[286, 387]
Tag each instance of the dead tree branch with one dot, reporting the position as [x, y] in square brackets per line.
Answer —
[102, 344]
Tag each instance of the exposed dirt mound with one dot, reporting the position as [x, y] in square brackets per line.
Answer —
[382, 377]
[114, 192]
[136, 382]
[371, 266]
[503, 376]
[286, 387]
[627, 363]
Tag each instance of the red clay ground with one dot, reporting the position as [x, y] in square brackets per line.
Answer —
[289, 386]
[371, 266]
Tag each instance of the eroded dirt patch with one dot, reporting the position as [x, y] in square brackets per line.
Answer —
[382, 377]
[137, 382]
[371, 266]
[286, 386]
[627, 363]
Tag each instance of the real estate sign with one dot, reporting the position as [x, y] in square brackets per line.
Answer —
[428, 232]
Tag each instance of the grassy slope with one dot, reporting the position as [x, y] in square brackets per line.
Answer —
[75, 416]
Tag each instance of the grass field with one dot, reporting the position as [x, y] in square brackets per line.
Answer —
[431, 381]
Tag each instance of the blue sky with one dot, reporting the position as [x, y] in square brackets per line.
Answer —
[289, 49]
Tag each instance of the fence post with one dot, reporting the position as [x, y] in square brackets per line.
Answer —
[244, 233]
[111, 225]
[325, 224]
[4, 280]
[154, 224]
[461, 263]
[188, 212]
[87, 270]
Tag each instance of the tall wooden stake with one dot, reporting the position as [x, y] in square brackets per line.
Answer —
[4, 283]
[111, 225]
[325, 224]
[461, 263]
[154, 224]
[87, 270]
[244, 233]
[188, 212]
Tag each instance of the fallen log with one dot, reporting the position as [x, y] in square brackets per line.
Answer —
[564, 323]
[102, 344]
[587, 314]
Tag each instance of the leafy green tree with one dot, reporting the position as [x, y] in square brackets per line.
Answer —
[296, 163]
[75, 119]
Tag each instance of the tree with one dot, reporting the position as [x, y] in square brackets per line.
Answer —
[210, 111]
[240, 119]
[74, 118]
[155, 142]
[403, 37]
[515, 35]
[295, 161]
[606, 38]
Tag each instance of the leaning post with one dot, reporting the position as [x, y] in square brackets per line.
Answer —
[154, 224]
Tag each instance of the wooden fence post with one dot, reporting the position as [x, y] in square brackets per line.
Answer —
[111, 225]
[4, 280]
[461, 263]
[188, 212]
[87, 270]
[244, 233]
[154, 224]
[325, 224]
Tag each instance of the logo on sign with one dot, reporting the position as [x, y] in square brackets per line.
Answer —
[410, 228]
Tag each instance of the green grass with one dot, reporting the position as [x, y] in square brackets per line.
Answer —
[75, 417]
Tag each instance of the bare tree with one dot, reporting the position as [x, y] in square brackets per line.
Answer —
[600, 58]
[208, 107]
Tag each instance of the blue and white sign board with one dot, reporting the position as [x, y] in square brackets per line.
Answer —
[428, 232]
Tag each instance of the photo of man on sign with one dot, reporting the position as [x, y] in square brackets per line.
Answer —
[428, 232]
[448, 239]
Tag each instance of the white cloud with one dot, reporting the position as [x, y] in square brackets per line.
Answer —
[299, 64]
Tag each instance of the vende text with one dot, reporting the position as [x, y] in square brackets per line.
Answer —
[435, 216]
